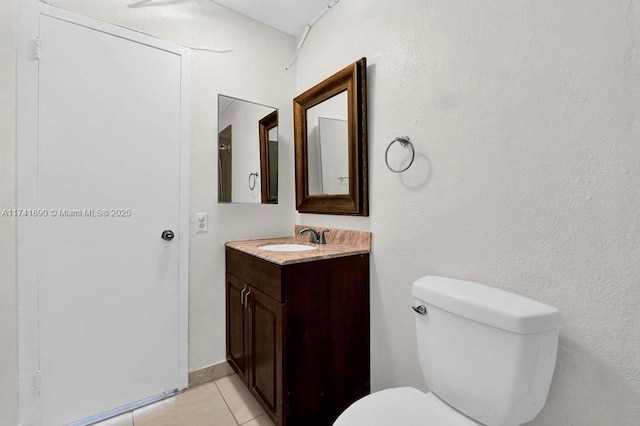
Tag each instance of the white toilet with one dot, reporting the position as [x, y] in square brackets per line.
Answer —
[487, 356]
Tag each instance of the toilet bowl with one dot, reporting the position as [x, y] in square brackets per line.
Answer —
[402, 407]
[487, 356]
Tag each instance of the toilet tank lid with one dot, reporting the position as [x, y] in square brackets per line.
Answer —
[487, 305]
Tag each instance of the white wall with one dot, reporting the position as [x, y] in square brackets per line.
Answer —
[254, 70]
[525, 116]
[8, 289]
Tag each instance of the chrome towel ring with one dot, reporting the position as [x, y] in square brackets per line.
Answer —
[404, 141]
[253, 175]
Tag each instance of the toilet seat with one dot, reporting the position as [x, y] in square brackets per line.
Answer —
[402, 407]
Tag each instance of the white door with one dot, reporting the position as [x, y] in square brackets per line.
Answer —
[109, 135]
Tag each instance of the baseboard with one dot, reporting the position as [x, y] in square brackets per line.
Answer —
[209, 374]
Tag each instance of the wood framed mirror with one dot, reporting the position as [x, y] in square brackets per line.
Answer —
[330, 132]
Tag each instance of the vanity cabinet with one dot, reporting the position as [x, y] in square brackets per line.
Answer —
[298, 334]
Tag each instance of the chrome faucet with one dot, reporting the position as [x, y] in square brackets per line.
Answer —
[315, 237]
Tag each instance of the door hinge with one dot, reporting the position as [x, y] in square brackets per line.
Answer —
[38, 381]
[37, 47]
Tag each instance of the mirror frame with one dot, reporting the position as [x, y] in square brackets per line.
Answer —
[265, 124]
[353, 80]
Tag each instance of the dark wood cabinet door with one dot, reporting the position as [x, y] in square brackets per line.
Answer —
[265, 346]
[237, 338]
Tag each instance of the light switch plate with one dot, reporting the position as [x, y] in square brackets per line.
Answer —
[202, 222]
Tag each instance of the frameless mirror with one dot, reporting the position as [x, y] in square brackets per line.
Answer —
[330, 121]
[247, 152]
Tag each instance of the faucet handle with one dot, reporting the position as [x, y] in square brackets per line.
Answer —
[323, 239]
[314, 237]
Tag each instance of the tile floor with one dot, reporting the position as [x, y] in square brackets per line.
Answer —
[225, 402]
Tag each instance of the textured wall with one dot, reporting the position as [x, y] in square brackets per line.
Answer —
[8, 290]
[255, 71]
[526, 124]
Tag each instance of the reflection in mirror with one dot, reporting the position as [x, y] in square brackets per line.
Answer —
[269, 158]
[224, 165]
[328, 146]
[242, 176]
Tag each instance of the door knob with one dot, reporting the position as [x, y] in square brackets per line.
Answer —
[168, 235]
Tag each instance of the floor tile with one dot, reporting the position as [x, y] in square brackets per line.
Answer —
[263, 420]
[200, 406]
[125, 419]
[242, 404]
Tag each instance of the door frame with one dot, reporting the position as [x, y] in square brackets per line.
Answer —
[28, 29]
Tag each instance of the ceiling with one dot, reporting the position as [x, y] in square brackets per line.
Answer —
[289, 16]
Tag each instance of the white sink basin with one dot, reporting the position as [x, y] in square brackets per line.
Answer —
[287, 247]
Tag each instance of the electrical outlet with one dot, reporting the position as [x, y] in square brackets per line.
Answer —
[202, 222]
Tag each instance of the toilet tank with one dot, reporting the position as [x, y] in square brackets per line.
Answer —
[488, 353]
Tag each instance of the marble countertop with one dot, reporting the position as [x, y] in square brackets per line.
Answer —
[340, 242]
